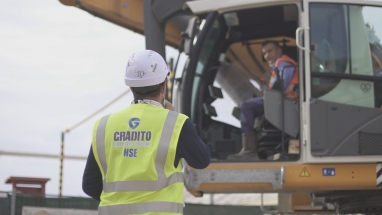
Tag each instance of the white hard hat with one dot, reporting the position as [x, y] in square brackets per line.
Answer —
[145, 68]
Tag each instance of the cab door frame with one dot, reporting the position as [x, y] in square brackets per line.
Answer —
[305, 107]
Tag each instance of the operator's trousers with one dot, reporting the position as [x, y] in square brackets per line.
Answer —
[249, 110]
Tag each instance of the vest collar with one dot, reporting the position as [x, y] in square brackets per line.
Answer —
[146, 101]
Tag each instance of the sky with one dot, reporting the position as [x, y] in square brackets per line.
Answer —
[58, 65]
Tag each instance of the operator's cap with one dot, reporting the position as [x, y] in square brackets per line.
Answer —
[145, 68]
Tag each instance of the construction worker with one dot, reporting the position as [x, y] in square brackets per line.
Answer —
[134, 164]
[254, 107]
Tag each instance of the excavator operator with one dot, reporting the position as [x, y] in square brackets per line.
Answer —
[254, 107]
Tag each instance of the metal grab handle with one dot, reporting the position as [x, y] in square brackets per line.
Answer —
[298, 30]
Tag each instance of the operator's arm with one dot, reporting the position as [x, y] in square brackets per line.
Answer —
[288, 72]
[92, 178]
[192, 148]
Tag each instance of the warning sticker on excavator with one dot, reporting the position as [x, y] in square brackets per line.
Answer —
[304, 173]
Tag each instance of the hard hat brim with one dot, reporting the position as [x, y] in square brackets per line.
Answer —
[139, 82]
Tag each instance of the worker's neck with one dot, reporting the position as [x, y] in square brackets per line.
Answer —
[156, 98]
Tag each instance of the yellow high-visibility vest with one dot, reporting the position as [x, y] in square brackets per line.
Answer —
[135, 150]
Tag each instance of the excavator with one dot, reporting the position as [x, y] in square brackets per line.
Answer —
[321, 153]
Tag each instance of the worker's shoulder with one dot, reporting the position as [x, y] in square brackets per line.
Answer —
[188, 126]
[285, 62]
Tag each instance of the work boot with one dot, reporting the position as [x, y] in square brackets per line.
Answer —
[249, 149]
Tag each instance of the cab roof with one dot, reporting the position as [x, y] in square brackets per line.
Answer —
[206, 6]
[221, 6]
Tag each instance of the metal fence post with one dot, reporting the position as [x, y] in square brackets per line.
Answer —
[13, 202]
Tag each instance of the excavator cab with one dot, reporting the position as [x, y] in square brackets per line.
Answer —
[231, 69]
[318, 146]
[338, 55]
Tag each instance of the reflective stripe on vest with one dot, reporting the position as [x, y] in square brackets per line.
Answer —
[125, 186]
[140, 208]
[101, 142]
[164, 144]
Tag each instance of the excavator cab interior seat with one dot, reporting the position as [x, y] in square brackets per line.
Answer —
[277, 109]
[270, 130]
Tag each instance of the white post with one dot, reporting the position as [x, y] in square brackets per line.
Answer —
[13, 202]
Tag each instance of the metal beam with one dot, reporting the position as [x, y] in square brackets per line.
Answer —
[40, 155]
[154, 30]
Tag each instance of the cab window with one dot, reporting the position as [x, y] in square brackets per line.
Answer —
[346, 53]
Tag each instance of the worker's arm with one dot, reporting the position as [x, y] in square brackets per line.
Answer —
[192, 148]
[92, 178]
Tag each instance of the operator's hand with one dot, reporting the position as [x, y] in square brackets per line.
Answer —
[168, 105]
